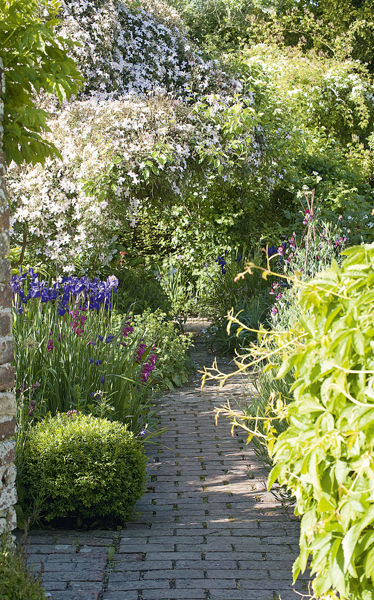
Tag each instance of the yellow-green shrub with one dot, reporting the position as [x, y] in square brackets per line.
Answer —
[325, 456]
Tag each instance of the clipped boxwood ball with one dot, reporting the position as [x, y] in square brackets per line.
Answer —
[74, 465]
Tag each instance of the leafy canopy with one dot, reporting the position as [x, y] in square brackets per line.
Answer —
[227, 24]
[35, 60]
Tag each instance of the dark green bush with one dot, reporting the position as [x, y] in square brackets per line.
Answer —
[16, 582]
[248, 296]
[140, 290]
[80, 466]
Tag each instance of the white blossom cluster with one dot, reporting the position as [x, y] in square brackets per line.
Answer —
[132, 134]
[63, 218]
[115, 153]
[134, 50]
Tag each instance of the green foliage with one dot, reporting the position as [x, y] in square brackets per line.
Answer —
[176, 285]
[318, 246]
[227, 157]
[79, 466]
[312, 116]
[260, 407]
[325, 456]
[223, 25]
[216, 23]
[344, 27]
[16, 581]
[35, 60]
[174, 365]
[95, 361]
[329, 92]
[139, 290]
[188, 271]
[58, 370]
[317, 118]
[226, 291]
[331, 25]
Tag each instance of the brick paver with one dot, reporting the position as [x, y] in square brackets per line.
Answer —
[207, 528]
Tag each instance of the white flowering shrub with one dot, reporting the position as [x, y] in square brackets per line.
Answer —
[134, 48]
[137, 134]
[126, 155]
[162, 148]
[63, 219]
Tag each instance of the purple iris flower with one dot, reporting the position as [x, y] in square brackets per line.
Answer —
[70, 290]
[61, 310]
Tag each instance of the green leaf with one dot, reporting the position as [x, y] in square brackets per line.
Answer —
[369, 564]
[286, 366]
[359, 342]
[352, 536]
[273, 476]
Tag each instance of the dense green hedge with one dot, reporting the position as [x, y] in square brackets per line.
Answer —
[75, 465]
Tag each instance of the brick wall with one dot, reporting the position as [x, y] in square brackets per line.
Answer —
[7, 400]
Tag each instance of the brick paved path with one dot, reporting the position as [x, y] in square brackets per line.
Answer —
[207, 528]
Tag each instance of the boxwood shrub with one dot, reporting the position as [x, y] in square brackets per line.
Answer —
[80, 466]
